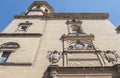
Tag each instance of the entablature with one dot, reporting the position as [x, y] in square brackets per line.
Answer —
[108, 71]
[98, 68]
[82, 51]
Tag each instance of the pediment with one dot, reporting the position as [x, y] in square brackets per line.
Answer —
[9, 45]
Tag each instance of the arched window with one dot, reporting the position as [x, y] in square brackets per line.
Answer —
[7, 49]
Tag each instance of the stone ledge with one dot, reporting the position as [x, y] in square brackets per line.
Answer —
[20, 34]
[66, 16]
[15, 64]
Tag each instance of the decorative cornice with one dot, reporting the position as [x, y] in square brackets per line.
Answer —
[63, 16]
[20, 35]
[83, 15]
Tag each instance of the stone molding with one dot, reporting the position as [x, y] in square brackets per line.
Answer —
[63, 16]
[15, 64]
[20, 34]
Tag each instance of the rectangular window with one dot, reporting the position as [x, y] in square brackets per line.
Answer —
[5, 56]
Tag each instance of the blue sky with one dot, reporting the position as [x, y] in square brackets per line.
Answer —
[9, 8]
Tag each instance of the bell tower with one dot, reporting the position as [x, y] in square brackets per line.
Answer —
[40, 8]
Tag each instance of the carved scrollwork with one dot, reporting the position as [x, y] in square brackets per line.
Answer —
[84, 45]
[111, 56]
[54, 56]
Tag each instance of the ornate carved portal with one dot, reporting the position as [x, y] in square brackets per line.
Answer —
[78, 47]
[81, 59]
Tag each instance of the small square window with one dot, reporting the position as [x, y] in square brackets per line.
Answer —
[23, 28]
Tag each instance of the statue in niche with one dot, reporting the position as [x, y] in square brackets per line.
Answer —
[54, 56]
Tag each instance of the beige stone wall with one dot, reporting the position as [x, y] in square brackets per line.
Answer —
[26, 52]
[51, 31]
[36, 27]
[104, 31]
[105, 39]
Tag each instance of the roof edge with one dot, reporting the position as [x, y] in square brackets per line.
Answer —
[68, 15]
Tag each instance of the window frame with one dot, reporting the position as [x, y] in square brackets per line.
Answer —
[6, 49]
[23, 24]
[5, 56]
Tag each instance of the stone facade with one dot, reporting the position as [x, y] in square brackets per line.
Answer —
[44, 44]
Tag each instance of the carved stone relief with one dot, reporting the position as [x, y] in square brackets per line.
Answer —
[54, 56]
[111, 56]
[79, 45]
